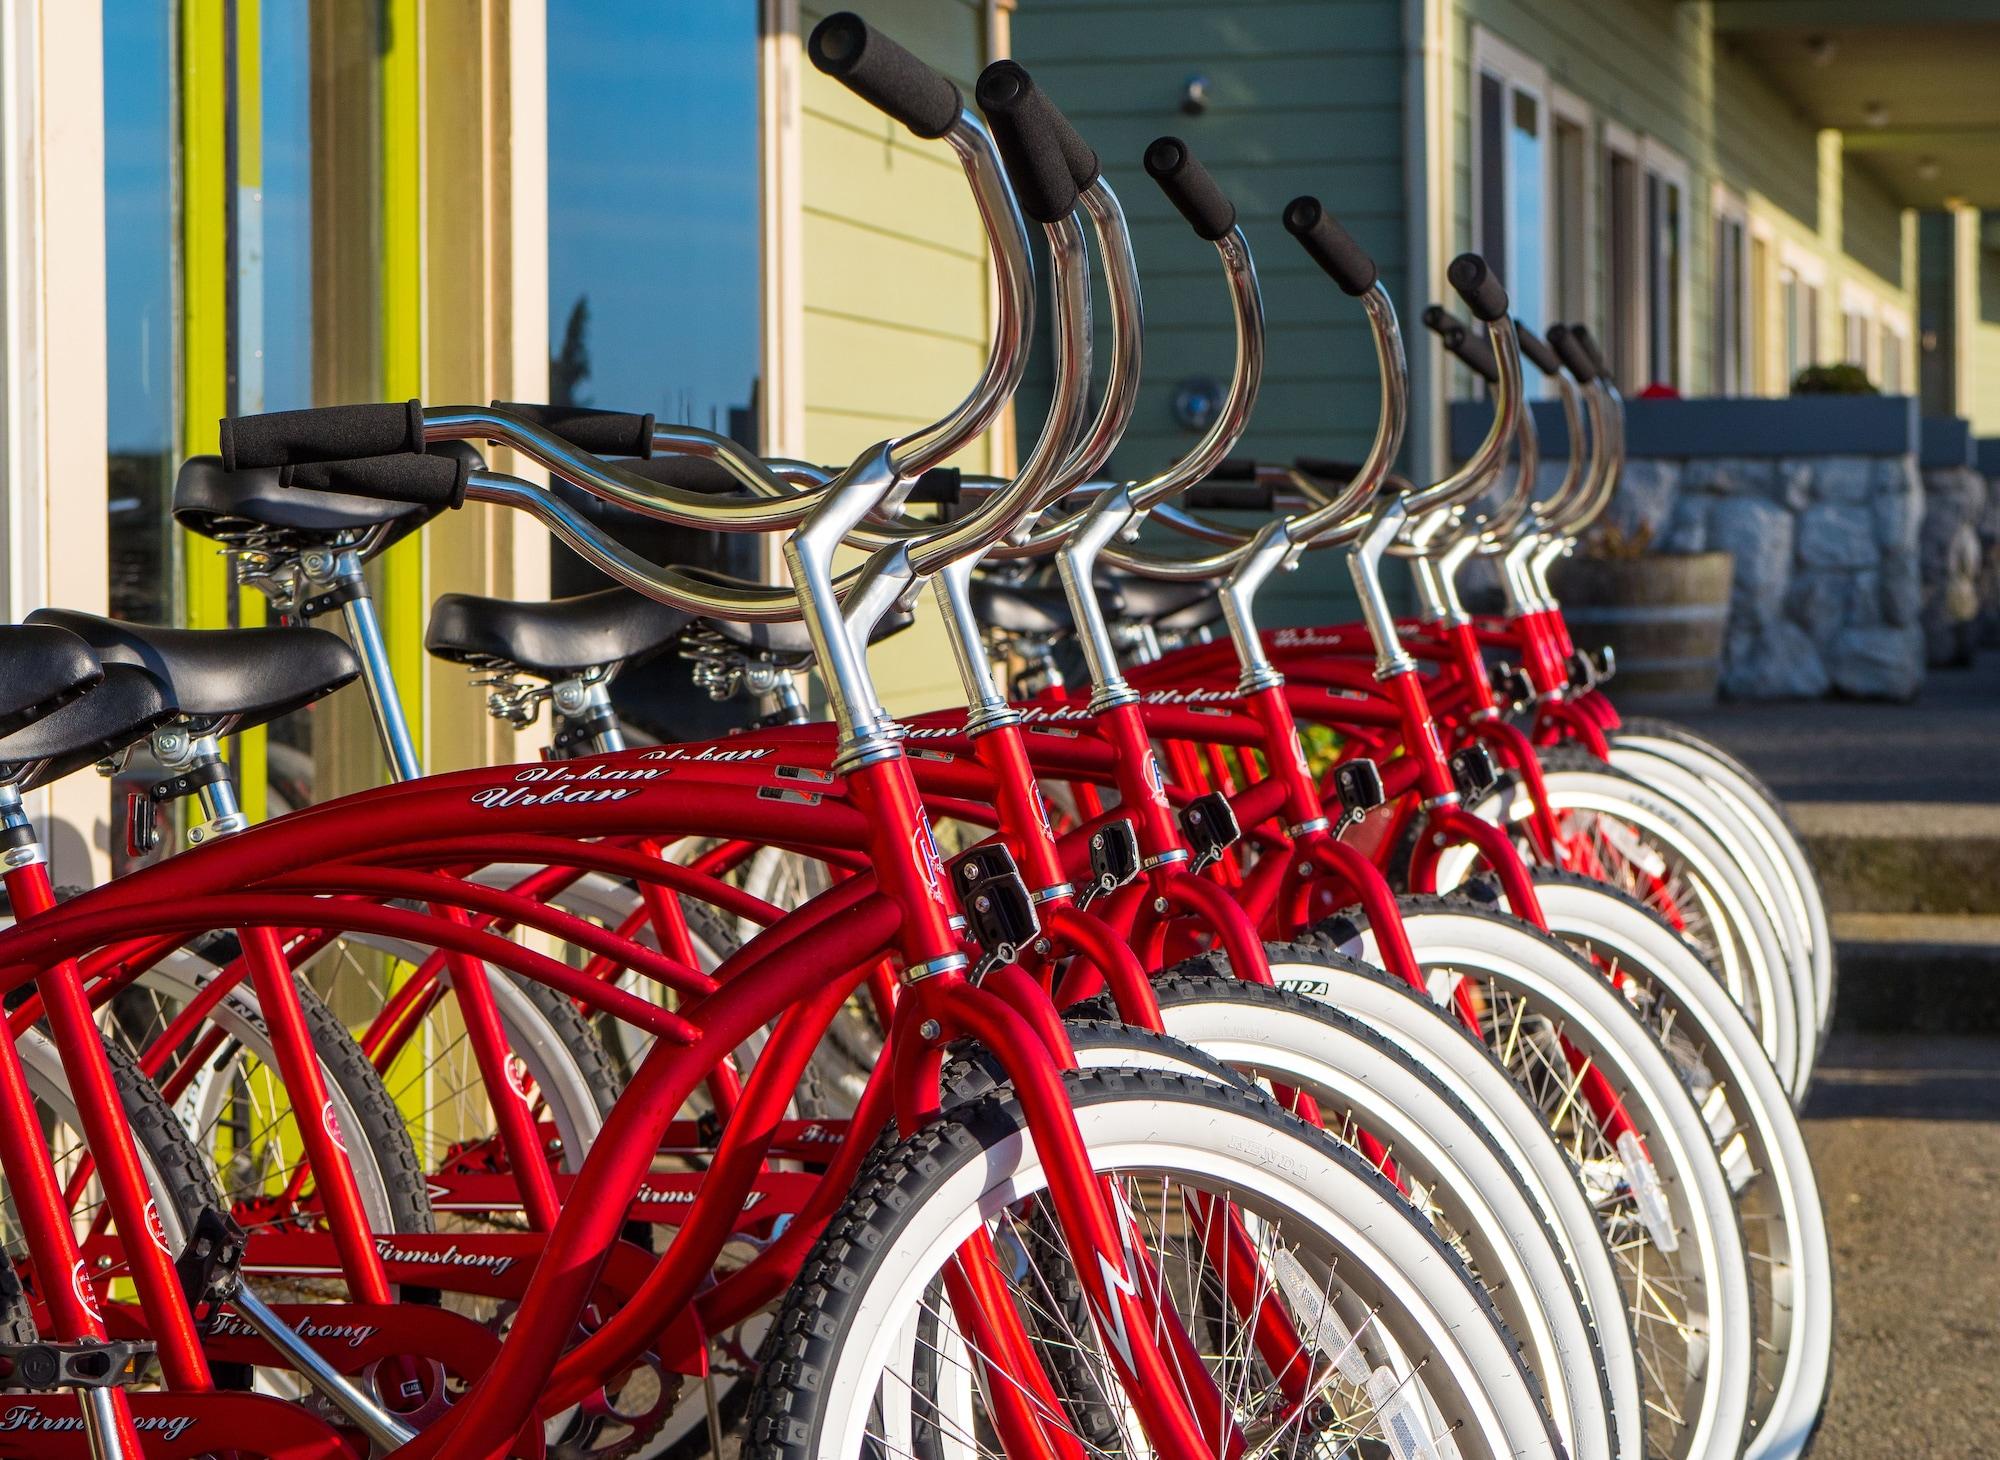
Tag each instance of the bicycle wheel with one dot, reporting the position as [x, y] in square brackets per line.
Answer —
[1756, 1133]
[1662, 1195]
[1621, 832]
[231, 1102]
[1767, 818]
[872, 1360]
[1434, 1149]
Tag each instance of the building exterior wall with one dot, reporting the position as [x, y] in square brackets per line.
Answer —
[1303, 96]
[895, 315]
[1663, 74]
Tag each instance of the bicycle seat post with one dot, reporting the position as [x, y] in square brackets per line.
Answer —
[337, 572]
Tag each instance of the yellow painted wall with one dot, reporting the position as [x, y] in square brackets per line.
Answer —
[895, 324]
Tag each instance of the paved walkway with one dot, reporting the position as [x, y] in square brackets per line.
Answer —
[1904, 1128]
[1905, 1134]
[1945, 747]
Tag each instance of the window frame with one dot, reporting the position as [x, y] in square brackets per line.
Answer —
[1893, 335]
[1626, 341]
[1566, 108]
[1859, 312]
[1516, 71]
[1660, 162]
[1808, 271]
[1727, 206]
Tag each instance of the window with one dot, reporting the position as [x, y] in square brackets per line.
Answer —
[1858, 310]
[1729, 368]
[654, 249]
[1760, 311]
[1798, 288]
[1666, 265]
[1624, 329]
[1571, 208]
[1510, 127]
[1895, 347]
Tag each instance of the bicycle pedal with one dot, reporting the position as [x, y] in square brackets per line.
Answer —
[1209, 823]
[93, 1364]
[999, 914]
[1473, 770]
[210, 1266]
[1358, 783]
[1114, 858]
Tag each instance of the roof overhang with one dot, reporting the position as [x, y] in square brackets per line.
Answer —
[1912, 86]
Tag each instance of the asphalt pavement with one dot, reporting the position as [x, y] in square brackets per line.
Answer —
[1905, 1136]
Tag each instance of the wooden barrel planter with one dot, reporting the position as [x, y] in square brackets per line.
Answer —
[1662, 614]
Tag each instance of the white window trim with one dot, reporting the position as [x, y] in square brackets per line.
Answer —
[1568, 107]
[1616, 140]
[1724, 202]
[1893, 324]
[1513, 68]
[1669, 166]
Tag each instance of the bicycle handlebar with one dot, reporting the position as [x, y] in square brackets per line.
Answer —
[1478, 286]
[1331, 246]
[1190, 188]
[1581, 334]
[1046, 161]
[883, 74]
[1471, 351]
[423, 480]
[322, 433]
[1563, 337]
[602, 433]
[1537, 350]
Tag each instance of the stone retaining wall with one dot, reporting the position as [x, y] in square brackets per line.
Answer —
[1959, 552]
[1828, 592]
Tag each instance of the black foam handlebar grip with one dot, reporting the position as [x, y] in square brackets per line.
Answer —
[425, 481]
[323, 433]
[1581, 334]
[883, 74]
[1027, 128]
[1563, 339]
[1189, 188]
[1442, 321]
[1537, 350]
[1470, 348]
[1346, 262]
[602, 433]
[1228, 496]
[938, 487]
[1478, 286]
[1326, 469]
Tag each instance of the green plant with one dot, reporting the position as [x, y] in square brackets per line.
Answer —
[1833, 380]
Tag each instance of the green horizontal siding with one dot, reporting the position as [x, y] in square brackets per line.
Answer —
[1304, 96]
[1660, 70]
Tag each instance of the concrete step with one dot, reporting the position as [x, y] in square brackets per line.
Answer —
[1910, 857]
[1906, 973]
